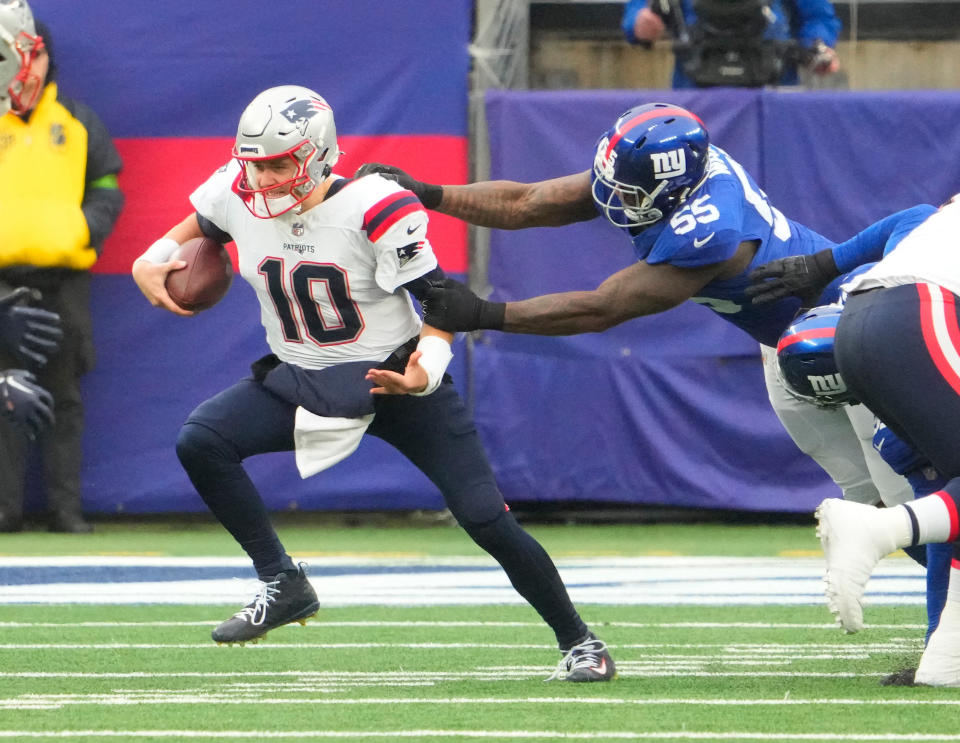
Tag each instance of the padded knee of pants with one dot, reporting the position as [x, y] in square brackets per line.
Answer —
[198, 445]
[864, 492]
[493, 535]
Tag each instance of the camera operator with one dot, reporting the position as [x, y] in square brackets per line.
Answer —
[738, 43]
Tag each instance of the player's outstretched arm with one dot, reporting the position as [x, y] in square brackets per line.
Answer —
[806, 276]
[507, 205]
[639, 289]
[150, 269]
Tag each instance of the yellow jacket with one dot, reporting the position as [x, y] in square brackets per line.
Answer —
[42, 180]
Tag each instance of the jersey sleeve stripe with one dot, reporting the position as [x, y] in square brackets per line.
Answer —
[387, 212]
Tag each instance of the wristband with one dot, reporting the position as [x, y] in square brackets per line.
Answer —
[436, 357]
[431, 195]
[160, 251]
[826, 263]
[490, 315]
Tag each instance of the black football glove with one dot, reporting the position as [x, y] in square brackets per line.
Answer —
[451, 306]
[429, 194]
[29, 333]
[803, 276]
[25, 403]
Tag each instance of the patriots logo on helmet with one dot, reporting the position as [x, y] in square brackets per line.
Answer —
[301, 111]
[408, 252]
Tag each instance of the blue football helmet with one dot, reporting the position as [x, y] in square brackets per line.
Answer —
[805, 362]
[649, 163]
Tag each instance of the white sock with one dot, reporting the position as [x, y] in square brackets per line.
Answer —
[934, 519]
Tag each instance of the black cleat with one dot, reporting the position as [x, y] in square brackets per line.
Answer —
[903, 677]
[70, 523]
[10, 524]
[586, 661]
[283, 600]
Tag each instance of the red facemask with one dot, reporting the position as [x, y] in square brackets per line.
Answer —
[28, 47]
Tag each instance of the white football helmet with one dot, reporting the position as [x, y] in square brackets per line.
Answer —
[19, 44]
[287, 121]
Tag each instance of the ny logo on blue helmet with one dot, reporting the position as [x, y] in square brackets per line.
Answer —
[649, 163]
[805, 362]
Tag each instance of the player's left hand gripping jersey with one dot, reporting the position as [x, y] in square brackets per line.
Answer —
[728, 209]
[328, 279]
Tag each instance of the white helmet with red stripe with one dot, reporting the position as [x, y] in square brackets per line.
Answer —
[19, 44]
[649, 163]
[286, 121]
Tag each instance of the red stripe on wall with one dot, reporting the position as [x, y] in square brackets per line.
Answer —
[160, 174]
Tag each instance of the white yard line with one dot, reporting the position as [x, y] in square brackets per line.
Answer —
[764, 650]
[316, 677]
[192, 696]
[453, 581]
[413, 624]
[499, 735]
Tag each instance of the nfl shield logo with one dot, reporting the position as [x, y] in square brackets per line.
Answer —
[297, 229]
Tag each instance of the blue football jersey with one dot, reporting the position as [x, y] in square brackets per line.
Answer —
[728, 209]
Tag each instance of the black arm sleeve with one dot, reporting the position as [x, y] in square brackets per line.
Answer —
[212, 231]
[101, 207]
[419, 286]
[102, 198]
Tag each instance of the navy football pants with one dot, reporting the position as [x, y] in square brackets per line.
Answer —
[898, 351]
[435, 432]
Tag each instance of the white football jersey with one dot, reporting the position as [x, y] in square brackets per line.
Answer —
[928, 254]
[329, 280]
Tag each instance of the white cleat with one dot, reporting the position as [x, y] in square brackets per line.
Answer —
[854, 537]
[940, 662]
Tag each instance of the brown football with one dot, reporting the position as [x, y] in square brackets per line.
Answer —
[205, 279]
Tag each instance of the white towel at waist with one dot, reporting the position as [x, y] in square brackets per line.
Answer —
[321, 442]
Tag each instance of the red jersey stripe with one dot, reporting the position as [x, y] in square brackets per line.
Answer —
[394, 217]
[938, 321]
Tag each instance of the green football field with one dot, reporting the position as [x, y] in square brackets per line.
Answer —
[457, 673]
